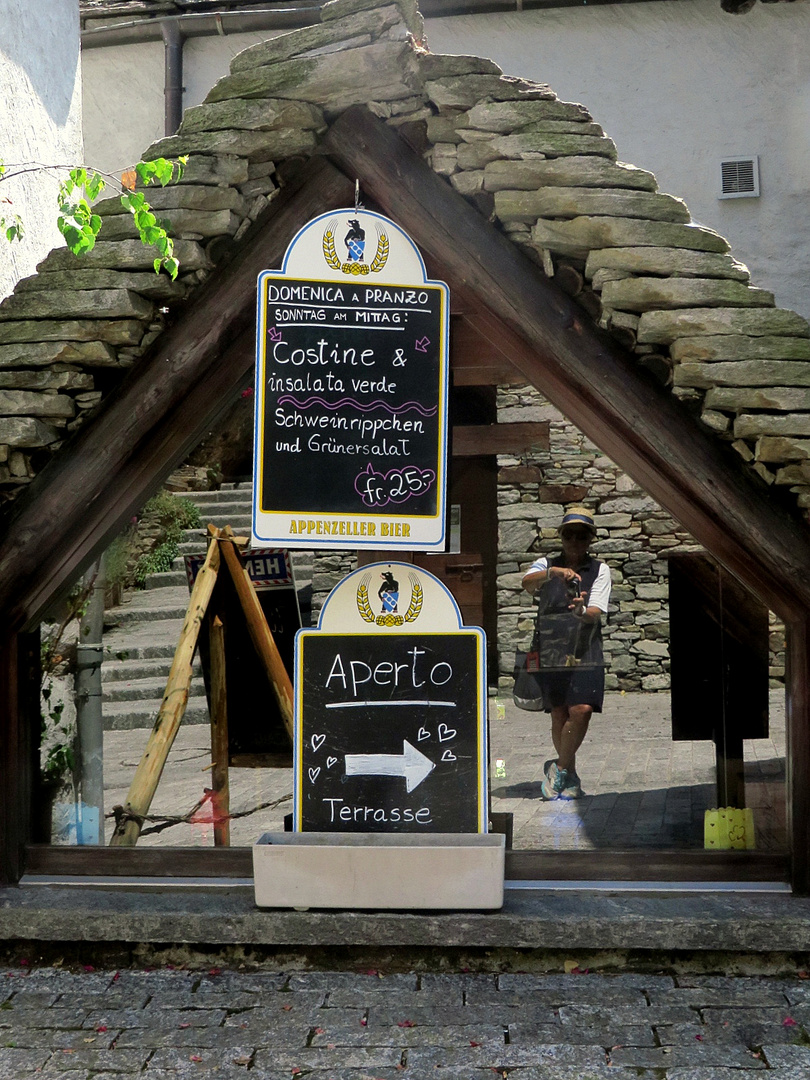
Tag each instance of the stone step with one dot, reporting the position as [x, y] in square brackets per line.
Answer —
[146, 641]
[158, 667]
[240, 523]
[223, 495]
[125, 715]
[168, 578]
[156, 612]
[144, 690]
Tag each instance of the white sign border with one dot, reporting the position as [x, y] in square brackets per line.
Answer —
[424, 532]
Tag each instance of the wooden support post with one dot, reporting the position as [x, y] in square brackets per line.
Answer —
[730, 769]
[220, 799]
[259, 631]
[147, 775]
[797, 686]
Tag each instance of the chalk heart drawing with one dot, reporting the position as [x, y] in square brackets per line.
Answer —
[423, 734]
[330, 761]
[314, 774]
[446, 733]
[317, 742]
[448, 755]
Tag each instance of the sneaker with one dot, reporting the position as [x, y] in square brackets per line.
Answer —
[573, 787]
[555, 782]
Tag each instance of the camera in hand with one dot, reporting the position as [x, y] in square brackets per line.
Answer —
[574, 587]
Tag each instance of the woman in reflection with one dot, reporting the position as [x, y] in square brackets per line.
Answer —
[572, 591]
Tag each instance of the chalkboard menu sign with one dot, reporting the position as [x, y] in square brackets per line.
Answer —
[351, 391]
[391, 719]
[389, 738]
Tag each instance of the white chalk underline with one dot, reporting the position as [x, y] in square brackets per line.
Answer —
[346, 326]
[385, 704]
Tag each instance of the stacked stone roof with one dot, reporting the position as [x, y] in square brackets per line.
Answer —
[540, 168]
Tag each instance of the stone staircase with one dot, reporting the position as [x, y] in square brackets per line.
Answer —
[145, 629]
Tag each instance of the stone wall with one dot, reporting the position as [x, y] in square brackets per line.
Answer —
[635, 538]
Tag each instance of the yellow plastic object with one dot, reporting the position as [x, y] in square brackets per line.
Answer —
[729, 828]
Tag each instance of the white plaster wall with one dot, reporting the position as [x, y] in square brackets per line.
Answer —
[123, 103]
[679, 85]
[123, 92]
[40, 121]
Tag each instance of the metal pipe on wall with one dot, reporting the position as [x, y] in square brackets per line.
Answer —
[173, 76]
[294, 16]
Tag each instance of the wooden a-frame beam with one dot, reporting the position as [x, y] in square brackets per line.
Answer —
[155, 417]
[582, 370]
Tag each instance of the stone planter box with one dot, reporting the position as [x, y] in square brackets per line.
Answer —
[377, 870]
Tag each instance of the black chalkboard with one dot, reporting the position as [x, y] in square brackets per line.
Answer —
[375, 707]
[352, 390]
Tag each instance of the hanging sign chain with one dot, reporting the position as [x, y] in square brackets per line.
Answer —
[357, 204]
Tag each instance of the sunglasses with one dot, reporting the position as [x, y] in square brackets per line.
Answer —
[576, 534]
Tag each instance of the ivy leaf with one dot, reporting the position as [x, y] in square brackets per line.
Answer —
[94, 185]
[144, 219]
[164, 171]
[133, 202]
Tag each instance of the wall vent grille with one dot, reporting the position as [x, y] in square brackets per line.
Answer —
[739, 178]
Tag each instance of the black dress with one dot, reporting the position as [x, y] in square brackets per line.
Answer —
[570, 658]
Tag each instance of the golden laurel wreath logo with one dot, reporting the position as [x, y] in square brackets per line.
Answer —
[355, 268]
[413, 612]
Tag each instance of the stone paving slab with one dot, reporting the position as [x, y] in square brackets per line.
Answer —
[394, 999]
[460, 1015]
[664, 1057]
[490, 1036]
[272, 1008]
[598, 1026]
[96, 1060]
[604, 1035]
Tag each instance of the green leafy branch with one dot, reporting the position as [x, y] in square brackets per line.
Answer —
[12, 227]
[77, 222]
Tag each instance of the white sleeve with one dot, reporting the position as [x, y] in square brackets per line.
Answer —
[600, 590]
[537, 566]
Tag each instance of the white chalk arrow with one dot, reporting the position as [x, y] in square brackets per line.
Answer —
[411, 763]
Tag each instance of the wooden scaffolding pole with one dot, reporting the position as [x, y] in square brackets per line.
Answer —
[147, 775]
[220, 782]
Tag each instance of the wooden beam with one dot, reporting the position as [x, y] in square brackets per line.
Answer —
[155, 417]
[614, 865]
[473, 360]
[19, 707]
[220, 779]
[797, 678]
[475, 440]
[582, 370]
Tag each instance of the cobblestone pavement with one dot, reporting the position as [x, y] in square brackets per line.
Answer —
[172, 1024]
[642, 789]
